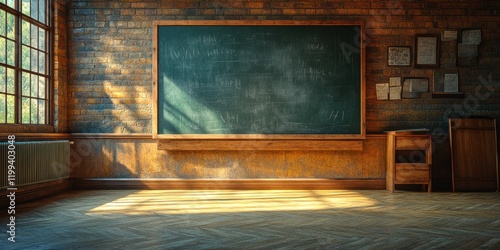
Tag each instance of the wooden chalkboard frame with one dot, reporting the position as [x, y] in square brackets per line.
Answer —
[261, 137]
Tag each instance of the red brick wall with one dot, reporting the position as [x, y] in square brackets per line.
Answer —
[110, 55]
[432, 17]
[60, 67]
[110, 73]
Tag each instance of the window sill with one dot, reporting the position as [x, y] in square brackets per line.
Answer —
[24, 128]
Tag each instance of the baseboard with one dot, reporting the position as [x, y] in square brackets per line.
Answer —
[35, 191]
[233, 184]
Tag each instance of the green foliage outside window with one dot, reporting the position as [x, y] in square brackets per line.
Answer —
[24, 83]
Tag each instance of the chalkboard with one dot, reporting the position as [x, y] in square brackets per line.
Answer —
[260, 78]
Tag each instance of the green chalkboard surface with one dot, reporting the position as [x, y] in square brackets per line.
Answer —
[259, 79]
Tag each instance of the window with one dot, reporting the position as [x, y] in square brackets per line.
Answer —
[24, 62]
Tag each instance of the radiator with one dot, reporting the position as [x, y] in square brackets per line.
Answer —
[35, 162]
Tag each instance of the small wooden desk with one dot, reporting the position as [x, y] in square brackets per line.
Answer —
[409, 159]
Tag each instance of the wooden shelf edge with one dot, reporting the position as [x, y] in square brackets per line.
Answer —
[409, 164]
[37, 136]
[447, 95]
[410, 148]
[259, 136]
[260, 145]
[111, 136]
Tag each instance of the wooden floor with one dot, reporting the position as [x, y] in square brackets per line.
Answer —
[267, 219]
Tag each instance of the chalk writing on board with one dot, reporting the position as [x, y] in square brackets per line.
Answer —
[348, 50]
[259, 80]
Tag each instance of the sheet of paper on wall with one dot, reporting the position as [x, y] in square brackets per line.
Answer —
[394, 81]
[395, 93]
[449, 35]
[471, 37]
[382, 91]
[406, 91]
[450, 82]
[419, 85]
[427, 50]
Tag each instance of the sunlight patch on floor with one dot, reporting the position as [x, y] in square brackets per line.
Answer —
[228, 201]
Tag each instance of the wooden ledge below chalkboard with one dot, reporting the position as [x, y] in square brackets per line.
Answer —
[259, 145]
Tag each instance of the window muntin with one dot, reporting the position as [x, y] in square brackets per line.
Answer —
[24, 62]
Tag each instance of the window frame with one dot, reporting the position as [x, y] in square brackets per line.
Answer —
[19, 17]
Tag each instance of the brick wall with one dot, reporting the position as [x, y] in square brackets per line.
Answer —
[110, 55]
[60, 67]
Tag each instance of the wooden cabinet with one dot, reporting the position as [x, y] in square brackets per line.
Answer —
[474, 154]
[409, 159]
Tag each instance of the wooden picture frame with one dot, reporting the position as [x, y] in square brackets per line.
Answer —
[468, 47]
[445, 81]
[247, 140]
[399, 56]
[413, 86]
[446, 84]
[470, 36]
[426, 51]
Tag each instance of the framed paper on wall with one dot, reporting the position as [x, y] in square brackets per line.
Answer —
[413, 86]
[445, 81]
[446, 84]
[426, 51]
[470, 36]
[399, 56]
[468, 47]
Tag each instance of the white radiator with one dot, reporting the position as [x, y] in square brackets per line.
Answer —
[35, 162]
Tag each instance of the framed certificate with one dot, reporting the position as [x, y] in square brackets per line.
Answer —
[398, 56]
[426, 51]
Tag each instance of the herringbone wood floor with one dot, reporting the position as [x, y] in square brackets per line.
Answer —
[271, 219]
